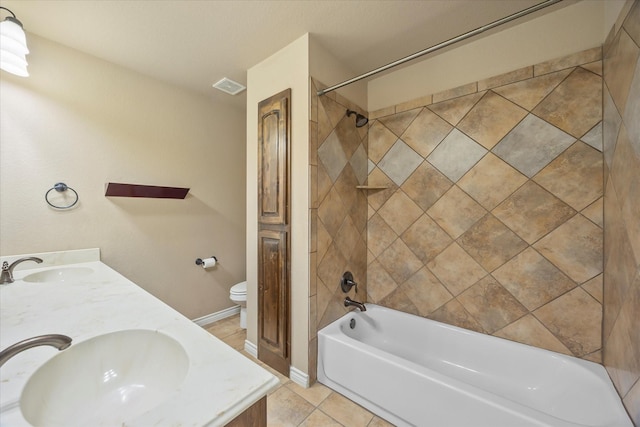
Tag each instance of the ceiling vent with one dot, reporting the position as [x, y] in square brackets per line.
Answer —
[229, 86]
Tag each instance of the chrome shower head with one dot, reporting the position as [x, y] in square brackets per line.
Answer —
[360, 119]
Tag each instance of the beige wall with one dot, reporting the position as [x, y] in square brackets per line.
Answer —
[621, 337]
[288, 68]
[85, 122]
[571, 29]
[328, 70]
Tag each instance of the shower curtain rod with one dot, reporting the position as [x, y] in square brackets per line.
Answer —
[441, 45]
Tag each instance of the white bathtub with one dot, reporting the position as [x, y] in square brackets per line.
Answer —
[415, 371]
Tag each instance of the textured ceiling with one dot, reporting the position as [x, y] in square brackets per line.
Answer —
[193, 44]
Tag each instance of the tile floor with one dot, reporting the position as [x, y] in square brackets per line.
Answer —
[293, 405]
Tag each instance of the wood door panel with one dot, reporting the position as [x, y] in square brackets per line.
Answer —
[273, 177]
[273, 285]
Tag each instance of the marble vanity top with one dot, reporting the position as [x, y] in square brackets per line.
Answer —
[220, 382]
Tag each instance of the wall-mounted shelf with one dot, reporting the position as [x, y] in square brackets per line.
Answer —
[114, 189]
[372, 187]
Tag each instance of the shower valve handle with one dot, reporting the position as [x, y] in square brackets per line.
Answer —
[346, 282]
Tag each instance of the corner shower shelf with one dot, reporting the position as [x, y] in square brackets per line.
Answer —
[114, 189]
[372, 187]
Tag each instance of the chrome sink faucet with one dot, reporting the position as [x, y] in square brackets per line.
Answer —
[58, 341]
[7, 270]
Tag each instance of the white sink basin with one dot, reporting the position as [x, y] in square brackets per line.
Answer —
[61, 274]
[105, 380]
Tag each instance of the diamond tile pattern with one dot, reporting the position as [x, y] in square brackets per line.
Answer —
[532, 212]
[339, 224]
[332, 156]
[492, 216]
[455, 155]
[575, 106]
[532, 144]
[400, 162]
[426, 132]
[490, 120]
[575, 176]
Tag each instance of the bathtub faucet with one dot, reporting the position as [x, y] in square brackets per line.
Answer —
[7, 270]
[349, 302]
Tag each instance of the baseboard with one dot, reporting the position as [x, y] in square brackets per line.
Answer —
[295, 375]
[214, 317]
[299, 377]
[251, 348]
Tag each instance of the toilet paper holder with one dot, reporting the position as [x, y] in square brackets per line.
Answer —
[199, 261]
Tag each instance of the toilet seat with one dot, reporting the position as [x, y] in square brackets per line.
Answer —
[239, 290]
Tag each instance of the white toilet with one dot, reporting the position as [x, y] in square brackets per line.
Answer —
[238, 294]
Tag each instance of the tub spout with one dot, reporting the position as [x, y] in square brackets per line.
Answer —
[58, 341]
[349, 302]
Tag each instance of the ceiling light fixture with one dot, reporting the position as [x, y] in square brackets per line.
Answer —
[13, 46]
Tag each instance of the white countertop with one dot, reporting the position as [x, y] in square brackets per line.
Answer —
[220, 383]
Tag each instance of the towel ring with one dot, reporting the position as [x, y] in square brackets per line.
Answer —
[61, 187]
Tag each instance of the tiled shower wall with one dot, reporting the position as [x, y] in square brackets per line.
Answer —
[492, 216]
[338, 214]
[621, 328]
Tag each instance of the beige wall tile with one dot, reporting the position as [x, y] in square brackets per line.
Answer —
[503, 79]
[619, 67]
[380, 140]
[575, 247]
[455, 92]
[426, 292]
[382, 112]
[532, 279]
[594, 67]
[575, 319]
[491, 119]
[532, 212]
[415, 103]
[400, 301]
[399, 261]
[575, 176]
[491, 243]
[529, 93]
[491, 181]
[456, 269]
[400, 121]
[595, 212]
[426, 132]
[491, 304]
[380, 235]
[425, 238]
[568, 61]
[380, 282]
[400, 212]
[456, 212]
[455, 109]
[453, 313]
[594, 287]
[575, 106]
[528, 330]
[426, 185]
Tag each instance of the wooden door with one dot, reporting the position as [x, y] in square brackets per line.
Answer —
[274, 231]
